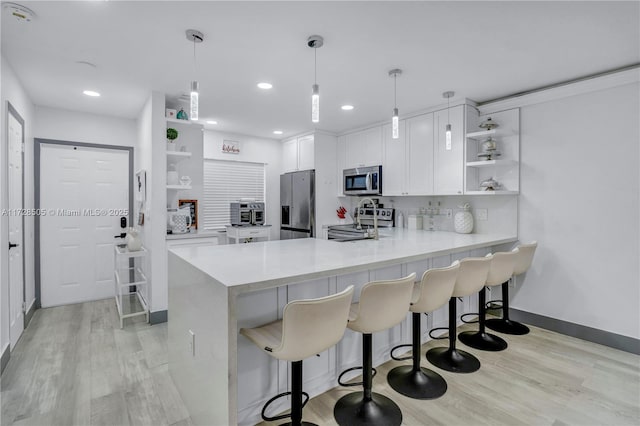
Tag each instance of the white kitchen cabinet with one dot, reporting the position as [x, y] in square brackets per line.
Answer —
[448, 161]
[298, 154]
[341, 152]
[363, 148]
[394, 161]
[504, 168]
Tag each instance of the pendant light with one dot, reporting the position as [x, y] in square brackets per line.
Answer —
[315, 42]
[196, 37]
[395, 132]
[447, 133]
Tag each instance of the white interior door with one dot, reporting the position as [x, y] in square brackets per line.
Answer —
[16, 258]
[85, 192]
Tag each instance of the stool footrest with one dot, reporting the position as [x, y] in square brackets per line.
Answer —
[352, 369]
[398, 347]
[475, 321]
[438, 337]
[282, 416]
[493, 304]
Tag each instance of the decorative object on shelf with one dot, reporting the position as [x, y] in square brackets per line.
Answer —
[488, 124]
[193, 210]
[181, 115]
[230, 147]
[196, 37]
[180, 220]
[141, 186]
[172, 175]
[170, 113]
[185, 181]
[315, 42]
[395, 124]
[134, 243]
[341, 212]
[490, 184]
[489, 149]
[172, 135]
[447, 134]
[463, 220]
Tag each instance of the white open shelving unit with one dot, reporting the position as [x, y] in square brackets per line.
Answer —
[506, 168]
[129, 280]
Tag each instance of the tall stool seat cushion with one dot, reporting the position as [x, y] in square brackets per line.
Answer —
[525, 257]
[308, 327]
[383, 304]
[502, 267]
[472, 275]
[435, 288]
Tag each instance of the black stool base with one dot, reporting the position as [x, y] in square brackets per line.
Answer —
[506, 326]
[301, 424]
[353, 410]
[483, 341]
[422, 384]
[453, 360]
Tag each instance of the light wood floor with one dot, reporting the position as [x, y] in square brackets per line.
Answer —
[74, 366]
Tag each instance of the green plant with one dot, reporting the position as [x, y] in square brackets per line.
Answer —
[172, 134]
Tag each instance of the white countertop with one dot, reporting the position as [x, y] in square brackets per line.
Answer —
[247, 267]
[194, 234]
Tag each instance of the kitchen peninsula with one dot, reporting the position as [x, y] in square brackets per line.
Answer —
[216, 290]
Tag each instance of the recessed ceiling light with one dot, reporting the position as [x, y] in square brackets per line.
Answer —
[277, 132]
[212, 122]
[91, 93]
[265, 86]
[347, 107]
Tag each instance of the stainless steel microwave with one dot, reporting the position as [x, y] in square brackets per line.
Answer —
[362, 181]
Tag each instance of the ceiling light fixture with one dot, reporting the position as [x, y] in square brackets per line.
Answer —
[447, 133]
[212, 122]
[19, 12]
[91, 93]
[265, 86]
[347, 107]
[277, 132]
[196, 37]
[395, 132]
[315, 42]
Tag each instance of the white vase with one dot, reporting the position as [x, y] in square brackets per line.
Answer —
[171, 146]
[463, 221]
[134, 243]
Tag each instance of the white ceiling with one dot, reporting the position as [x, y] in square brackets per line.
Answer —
[481, 50]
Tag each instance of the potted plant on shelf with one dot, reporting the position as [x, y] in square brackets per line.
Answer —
[172, 135]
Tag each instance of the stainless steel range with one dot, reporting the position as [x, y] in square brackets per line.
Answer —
[386, 219]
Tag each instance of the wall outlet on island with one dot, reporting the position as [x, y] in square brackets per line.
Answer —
[482, 214]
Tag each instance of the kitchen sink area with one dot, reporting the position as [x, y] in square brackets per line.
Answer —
[350, 232]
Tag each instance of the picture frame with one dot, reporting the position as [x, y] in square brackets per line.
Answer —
[230, 147]
[140, 185]
[193, 207]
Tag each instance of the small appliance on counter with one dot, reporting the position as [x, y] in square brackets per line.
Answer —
[247, 213]
[297, 205]
[362, 181]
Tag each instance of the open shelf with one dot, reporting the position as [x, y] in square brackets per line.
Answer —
[179, 187]
[178, 154]
[487, 163]
[124, 251]
[130, 276]
[187, 122]
[481, 134]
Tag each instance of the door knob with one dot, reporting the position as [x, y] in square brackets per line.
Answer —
[11, 245]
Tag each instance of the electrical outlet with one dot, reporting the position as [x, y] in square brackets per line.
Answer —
[482, 214]
[447, 212]
[192, 343]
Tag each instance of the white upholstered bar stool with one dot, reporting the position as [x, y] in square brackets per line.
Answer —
[501, 269]
[523, 263]
[308, 327]
[382, 305]
[432, 292]
[471, 278]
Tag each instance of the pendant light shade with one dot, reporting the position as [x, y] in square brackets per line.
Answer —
[447, 133]
[315, 42]
[194, 36]
[395, 125]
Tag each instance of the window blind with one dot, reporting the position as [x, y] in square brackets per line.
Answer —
[226, 182]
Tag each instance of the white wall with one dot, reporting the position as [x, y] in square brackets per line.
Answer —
[256, 150]
[579, 200]
[13, 92]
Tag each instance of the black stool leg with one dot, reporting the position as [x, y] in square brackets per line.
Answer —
[367, 407]
[504, 324]
[452, 359]
[296, 396]
[480, 339]
[415, 381]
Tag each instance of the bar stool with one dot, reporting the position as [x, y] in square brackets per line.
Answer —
[500, 271]
[471, 278]
[523, 263]
[308, 327]
[432, 292]
[383, 304]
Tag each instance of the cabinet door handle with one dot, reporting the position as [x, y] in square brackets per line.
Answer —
[11, 245]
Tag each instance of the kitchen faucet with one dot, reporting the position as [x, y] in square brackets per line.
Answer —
[375, 216]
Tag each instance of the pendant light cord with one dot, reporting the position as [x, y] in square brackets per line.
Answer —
[315, 66]
[395, 91]
[448, 118]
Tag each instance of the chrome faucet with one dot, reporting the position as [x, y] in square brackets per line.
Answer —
[375, 217]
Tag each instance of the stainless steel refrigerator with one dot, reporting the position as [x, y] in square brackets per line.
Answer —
[297, 205]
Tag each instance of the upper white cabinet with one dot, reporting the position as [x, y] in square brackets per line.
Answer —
[407, 166]
[493, 153]
[448, 164]
[363, 148]
[298, 154]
